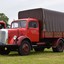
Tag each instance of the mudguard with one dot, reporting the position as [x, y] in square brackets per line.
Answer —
[21, 38]
[56, 42]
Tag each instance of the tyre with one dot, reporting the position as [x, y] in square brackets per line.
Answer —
[24, 48]
[39, 49]
[59, 47]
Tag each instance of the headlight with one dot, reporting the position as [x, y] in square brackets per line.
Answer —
[15, 37]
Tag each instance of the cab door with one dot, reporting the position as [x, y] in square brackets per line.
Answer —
[33, 31]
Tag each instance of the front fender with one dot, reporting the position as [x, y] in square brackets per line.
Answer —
[20, 39]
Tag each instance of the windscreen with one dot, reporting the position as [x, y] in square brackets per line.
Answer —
[19, 24]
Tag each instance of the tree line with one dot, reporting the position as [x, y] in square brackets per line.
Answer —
[4, 18]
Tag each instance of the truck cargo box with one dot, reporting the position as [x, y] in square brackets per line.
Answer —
[51, 21]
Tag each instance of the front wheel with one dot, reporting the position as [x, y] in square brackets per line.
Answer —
[59, 47]
[24, 48]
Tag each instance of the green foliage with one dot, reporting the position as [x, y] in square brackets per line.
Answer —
[4, 18]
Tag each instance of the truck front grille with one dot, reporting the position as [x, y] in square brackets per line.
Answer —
[3, 37]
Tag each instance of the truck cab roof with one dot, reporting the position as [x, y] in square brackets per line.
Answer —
[24, 19]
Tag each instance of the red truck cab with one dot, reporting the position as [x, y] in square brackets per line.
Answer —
[27, 27]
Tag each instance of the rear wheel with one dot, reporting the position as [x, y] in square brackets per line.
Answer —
[24, 48]
[59, 47]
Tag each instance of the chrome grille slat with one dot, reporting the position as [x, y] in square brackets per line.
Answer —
[3, 36]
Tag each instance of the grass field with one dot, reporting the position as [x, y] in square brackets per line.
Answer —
[46, 57]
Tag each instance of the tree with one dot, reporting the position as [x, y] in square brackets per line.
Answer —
[4, 18]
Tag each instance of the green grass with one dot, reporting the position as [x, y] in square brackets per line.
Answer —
[46, 57]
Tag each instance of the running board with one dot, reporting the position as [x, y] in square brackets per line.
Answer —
[39, 44]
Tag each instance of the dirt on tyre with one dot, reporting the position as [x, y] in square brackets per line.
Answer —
[24, 48]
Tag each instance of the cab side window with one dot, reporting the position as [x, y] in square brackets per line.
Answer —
[33, 24]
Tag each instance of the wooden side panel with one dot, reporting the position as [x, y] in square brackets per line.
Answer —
[48, 34]
[63, 34]
[52, 34]
[57, 34]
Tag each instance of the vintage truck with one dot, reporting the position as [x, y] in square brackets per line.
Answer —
[35, 29]
[2, 24]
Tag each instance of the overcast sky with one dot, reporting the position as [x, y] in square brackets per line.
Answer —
[12, 7]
